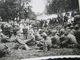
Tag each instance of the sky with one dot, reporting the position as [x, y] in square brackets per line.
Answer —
[38, 6]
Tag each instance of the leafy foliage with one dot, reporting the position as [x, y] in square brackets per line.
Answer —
[62, 5]
[11, 9]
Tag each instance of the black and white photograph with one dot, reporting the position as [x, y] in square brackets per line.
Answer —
[39, 29]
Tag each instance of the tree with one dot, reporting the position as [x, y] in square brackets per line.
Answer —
[61, 6]
[9, 10]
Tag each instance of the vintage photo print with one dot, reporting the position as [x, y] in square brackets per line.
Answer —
[39, 29]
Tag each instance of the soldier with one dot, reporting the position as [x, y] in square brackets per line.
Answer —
[2, 27]
[77, 33]
[41, 23]
[72, 38]
[65, 18]
[21, 26]
[25, 32]
[4, 50]
[55, 39]
[31, 34]
[22, 42]
[38, 36]
[5, 29]
[38, 40]
[15, 29]
[47, 42]
[3, 38]
[69, 39]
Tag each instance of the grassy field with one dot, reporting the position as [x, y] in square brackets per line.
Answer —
[33, 53]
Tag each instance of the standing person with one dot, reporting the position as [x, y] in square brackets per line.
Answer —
[73, 14]
[2, 27]
[65, 18]
[15, 29]
[41, 23]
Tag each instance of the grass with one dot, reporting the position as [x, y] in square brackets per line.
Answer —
[22, 54]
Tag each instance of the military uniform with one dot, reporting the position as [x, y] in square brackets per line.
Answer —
[21, 41]
[55, 40]
[25, 32]
[68, 40]
[47, 43]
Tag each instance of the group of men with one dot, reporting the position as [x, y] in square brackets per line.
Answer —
[43, 38]
[65, 37]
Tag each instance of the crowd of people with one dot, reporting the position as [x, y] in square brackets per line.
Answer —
[26, 35]
[43, 38]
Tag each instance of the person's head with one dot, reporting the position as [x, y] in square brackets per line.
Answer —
[68, 29]
[71, 27]
[62, 31]
[54, 32]
[41, 31]
[19, 33]
[44, 35]
[76, 27]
